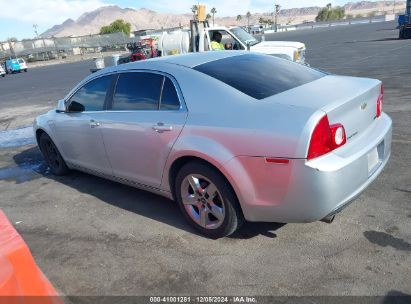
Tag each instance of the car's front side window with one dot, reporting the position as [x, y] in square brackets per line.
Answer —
[92, 95]
[137, 91]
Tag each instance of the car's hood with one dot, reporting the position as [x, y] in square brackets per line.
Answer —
[276, 44]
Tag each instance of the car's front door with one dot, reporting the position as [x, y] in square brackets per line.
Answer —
[145, 118]
[77, 131]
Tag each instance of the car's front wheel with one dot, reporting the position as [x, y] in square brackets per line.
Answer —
[207, 200]
[52, 156]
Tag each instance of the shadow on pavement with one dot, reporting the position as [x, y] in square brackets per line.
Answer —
[374, 40]
[31, 165]
[397, 297]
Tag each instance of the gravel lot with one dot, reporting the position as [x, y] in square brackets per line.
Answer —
[95, 237]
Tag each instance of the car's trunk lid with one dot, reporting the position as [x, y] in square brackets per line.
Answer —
[347, 100]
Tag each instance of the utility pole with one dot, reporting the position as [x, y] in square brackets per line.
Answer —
[35, 26]
[35, 30]
[393, 10]
[277, 10]
[12, 53]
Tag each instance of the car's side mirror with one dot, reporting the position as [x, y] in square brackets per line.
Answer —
[75, 107]
[61, 106]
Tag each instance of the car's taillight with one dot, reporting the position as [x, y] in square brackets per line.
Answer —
[380, 101]
[326, 138]
[338, 135]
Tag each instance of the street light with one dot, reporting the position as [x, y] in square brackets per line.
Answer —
[277, 10]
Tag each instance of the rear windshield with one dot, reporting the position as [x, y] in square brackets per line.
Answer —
[259, 76]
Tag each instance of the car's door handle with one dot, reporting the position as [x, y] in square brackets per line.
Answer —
[94, 124]
[161, 127]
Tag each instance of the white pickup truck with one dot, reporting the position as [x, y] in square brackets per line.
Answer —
[182, 41]
[239, 38]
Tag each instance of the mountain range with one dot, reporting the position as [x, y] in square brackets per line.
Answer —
[140, 19]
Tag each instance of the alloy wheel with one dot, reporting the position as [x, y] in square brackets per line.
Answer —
[202, 201]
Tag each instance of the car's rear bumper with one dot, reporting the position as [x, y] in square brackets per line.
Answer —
[306, 191]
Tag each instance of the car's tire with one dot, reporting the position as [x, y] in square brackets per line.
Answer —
[52, 156]
[25, 70]
[4, 75]
[213, 209]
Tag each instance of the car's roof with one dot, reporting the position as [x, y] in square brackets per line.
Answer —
[189, 60]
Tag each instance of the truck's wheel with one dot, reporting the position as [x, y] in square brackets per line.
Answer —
[401, 34]
[207, 200]
[52, 156]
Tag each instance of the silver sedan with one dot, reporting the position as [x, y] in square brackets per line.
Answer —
[230, 136]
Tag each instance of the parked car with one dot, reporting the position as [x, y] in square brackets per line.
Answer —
[2, 71]
[12, 66]
[23, 64]
[231, 136]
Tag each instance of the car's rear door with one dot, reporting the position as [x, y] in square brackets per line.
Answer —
[146, 116]
[77, 131]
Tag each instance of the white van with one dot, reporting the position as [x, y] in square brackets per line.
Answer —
[23, 64]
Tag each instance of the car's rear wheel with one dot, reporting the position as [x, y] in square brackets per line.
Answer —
[25, 70]
[52, 156]
[207, 200]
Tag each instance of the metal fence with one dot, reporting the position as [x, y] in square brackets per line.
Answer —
[314, 25]
[50, 48]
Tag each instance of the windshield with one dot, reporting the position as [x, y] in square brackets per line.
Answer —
[21, 60]
[244, 36]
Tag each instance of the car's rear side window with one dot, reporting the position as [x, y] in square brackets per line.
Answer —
[137, 91]
[169, 98]
[259, 76]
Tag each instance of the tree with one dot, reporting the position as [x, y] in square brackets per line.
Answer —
[248, 15]
[261, 20]
[358, 16]
[239, 18]
[328, 13]
[349, 16]
[194, 11]
[116, 27]
[213, 11]
[372, 14]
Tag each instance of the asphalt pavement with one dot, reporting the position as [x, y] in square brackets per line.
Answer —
[91, 236]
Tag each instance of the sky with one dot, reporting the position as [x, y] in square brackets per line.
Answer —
[18, 16]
